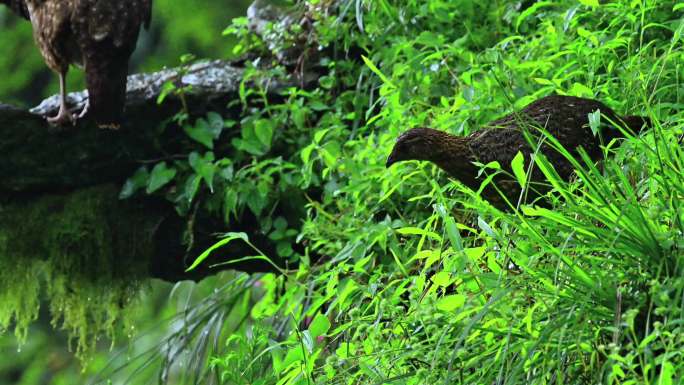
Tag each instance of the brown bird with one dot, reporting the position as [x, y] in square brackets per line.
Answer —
[564, 117]
[99, 35]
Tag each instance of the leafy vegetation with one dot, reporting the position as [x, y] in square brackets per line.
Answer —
[421, 281]
[405, 276]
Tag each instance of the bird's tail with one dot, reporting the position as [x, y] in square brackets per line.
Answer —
[636, 123]
[106, 81]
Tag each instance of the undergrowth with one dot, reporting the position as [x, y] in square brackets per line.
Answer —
[422, 281]
[417, 279]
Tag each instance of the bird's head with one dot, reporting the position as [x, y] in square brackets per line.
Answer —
[416, 144]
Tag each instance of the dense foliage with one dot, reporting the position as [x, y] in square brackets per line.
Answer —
[423, 282]
[408, 277]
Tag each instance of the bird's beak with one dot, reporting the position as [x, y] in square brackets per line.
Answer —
[391, 159]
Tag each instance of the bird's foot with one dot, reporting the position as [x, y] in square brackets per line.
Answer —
[84, 111]
[63, 118]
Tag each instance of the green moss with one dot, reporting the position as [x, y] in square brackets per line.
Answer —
[19, 294]
[87, 248]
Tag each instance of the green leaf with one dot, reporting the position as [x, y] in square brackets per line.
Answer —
[319, 326]
[667, 372]
[346, 350]
[284, 249]
[451, 228]
[280, 223]
[204, 166]
[418, 231]
[317, 105]
[395, 254]
[249, 146]
[191, 187]
[230, 203]
[451, 302]
[588, 35]
[255, 201]
[229, 237]
[160, 176]
[263, 129]
[201, 132]
[329, 159]
[226, 169]
[475, 253]
[344, 291]
[318, 136]
[530, 11]
[494, 165]
[298, 116]
[579, 89]
[591, 3]
[443, 278]
[308, 341]
[360, 265]
[518, 167]
[216, 123]
[167, 88]
[326, 82]
[595, 121]
[454, 235]
[295, 354]
[377, 72]
[306, 152]
[135, 183]
[481, 223]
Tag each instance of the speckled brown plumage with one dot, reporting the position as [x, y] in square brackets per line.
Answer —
[564, 117]
[99, 35]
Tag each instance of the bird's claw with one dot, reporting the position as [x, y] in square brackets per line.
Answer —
[63, 118]
[84, 111]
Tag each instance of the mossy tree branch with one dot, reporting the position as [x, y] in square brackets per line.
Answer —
[46, 168]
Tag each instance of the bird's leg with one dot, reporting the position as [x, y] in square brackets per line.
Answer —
[84, 111]
[64, 115]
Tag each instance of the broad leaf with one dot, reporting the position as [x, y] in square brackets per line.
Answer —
[134, 183]
[595, 121]
[518, 167]
[204, 166]
[160, 176]
[451, 302]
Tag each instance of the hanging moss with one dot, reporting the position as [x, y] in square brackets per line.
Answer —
[19, 293]
[90, 258]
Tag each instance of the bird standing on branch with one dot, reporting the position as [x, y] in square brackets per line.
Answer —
[564, 117]
[99, 35]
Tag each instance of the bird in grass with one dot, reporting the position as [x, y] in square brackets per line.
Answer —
[100, 36]
[564, 117]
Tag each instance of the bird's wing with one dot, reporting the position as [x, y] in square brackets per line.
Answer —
[18, 7]
[111, 22]
[498, 144]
